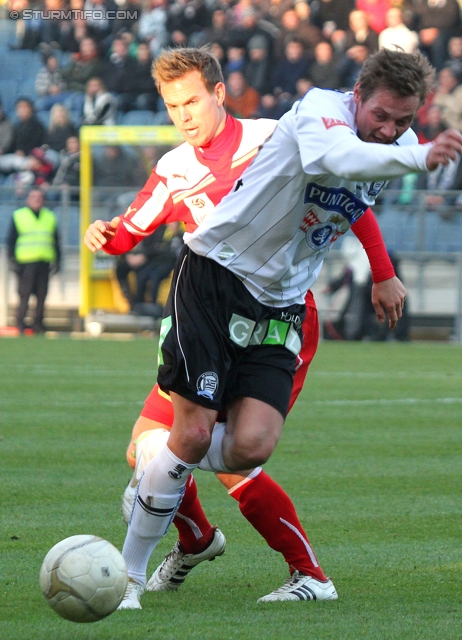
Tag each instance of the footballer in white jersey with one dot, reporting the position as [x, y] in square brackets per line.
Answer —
[310, 182]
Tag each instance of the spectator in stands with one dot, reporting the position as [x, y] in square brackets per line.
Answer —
[68, 174]
[359, 32]
[258, 69]
[376, 12]
[235, 60]
[332, 15]
[151, 261]
[436, 23]
[34, 253]
[60, 128]
[6, 132]
[100, 107]
[397, 34]
[98, 24]
[186, 20]
[447, 178]
[250, 26]
[73, 31]
[433, 126]
[294, 28]
[324, 71]
[220, 30]
[146, 95]
[454, 62]
[28, 32]
[49, 84]
[117, 169]
[127, 16]
[119, 75]
[85, 65]
[217, 50]
[294, 65]
[28, 132]
[271, 107]
[51, 25]
[37, 171]
[351, 64]
[448, 97]
[152, 26]
[241, 100]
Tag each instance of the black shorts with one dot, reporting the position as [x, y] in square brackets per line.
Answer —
[218, 343]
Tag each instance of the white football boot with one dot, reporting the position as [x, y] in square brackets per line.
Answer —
[131, 599]
[172, 572]
[301, 587]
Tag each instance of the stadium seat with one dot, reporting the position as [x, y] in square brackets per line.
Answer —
[9, 93]
[44, 117]
[26, 88]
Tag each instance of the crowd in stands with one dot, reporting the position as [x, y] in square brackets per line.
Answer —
[97, 54]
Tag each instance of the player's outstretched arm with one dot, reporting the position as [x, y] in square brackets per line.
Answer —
[100, 232]
[389, 295]
[445, 148]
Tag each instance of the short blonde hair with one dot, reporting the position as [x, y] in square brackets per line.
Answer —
[172, 64]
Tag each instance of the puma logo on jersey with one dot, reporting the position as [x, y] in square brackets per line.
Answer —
[333, 122]
[239, 184]
[129, 211]
[178, 175]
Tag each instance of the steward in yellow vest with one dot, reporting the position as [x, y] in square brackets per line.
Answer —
[33, 250]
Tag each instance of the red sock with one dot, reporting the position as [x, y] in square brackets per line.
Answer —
[195, 531]
[271, 512]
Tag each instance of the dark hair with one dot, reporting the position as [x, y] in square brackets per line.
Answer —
[172, 64]
[404, 74]
[24, 99]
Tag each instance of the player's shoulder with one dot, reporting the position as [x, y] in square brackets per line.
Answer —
[174, 159]
[254, 134]
[330, 106]
[262, 126]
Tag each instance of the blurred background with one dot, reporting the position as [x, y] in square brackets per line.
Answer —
[64, 65]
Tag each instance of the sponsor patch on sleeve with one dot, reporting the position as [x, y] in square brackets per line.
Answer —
[334, 122]
[151, 208]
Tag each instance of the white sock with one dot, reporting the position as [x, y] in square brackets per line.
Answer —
[158, 497]
[213, 460]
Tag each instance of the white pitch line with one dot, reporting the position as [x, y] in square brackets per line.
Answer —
[388, 401]
[379, 374]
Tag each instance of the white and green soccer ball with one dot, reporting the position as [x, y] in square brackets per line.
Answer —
[83, 578]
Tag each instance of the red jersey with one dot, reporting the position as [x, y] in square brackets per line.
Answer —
[188, 182]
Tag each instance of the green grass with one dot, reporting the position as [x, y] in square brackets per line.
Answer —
[371, 455]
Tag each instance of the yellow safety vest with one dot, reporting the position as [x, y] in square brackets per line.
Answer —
[36, 235]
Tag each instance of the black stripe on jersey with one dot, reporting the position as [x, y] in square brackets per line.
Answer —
[161, 513]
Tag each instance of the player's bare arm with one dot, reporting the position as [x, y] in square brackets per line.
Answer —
[389, 296]
[100, 232]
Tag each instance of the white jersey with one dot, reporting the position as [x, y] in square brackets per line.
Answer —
[309, 183]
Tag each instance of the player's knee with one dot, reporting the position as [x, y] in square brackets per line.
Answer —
[249, 454]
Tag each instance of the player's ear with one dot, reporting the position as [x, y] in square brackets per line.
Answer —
[220, 93]
[357, 93]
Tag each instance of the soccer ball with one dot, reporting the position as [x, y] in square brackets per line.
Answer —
[83, 578]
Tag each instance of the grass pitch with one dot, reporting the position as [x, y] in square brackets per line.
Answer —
[371, 456]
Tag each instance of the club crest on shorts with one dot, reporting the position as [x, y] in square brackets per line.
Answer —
[207, 384]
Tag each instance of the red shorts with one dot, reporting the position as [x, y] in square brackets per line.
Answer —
[158, 406]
